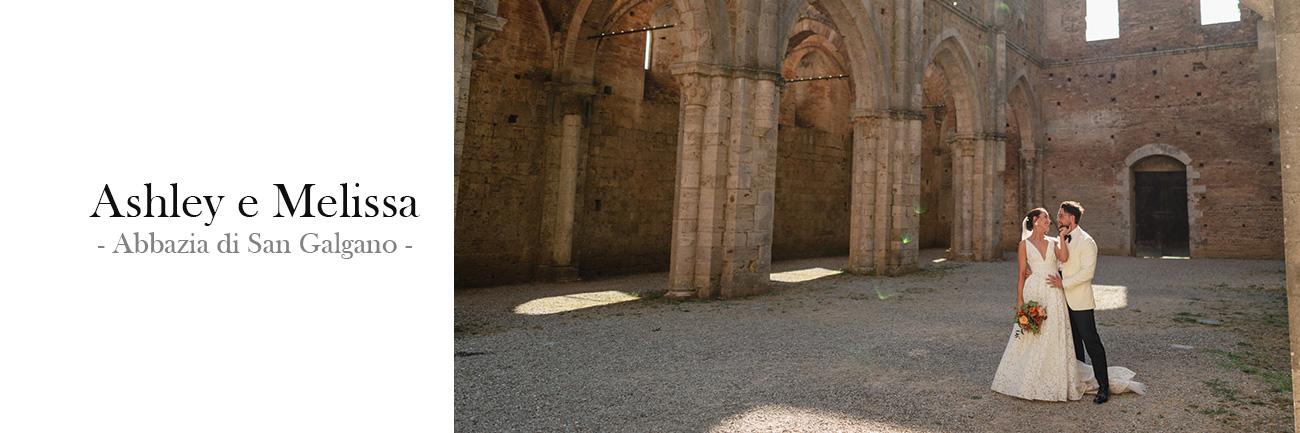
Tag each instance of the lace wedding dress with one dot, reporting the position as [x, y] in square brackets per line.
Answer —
[1042, 366]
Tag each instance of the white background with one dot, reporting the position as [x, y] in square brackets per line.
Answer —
[224, 98]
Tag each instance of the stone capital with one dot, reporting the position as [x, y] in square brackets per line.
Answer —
[716, 70]
[694, 88]
[905, 114]
[994, 136]
[869, 118]
[964, 144]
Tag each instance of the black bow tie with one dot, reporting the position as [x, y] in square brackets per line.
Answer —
[1067, 238]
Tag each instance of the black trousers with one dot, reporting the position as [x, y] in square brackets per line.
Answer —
[1083, 324]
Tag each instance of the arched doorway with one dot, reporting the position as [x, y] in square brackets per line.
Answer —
[1160, 219]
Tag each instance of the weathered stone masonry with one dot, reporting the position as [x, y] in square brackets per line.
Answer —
[576, 161]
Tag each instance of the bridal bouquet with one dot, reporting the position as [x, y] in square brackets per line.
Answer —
[1029, 318]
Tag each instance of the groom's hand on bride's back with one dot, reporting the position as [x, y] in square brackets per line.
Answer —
[1027, 272]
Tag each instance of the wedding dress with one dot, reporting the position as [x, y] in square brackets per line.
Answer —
[1043, 366]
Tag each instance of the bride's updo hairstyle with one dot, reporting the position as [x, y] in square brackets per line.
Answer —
[1029, 218]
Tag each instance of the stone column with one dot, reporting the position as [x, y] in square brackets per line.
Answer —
[863, 217]
[997, 149]
[726, 179]
[565, 136]
[886, 192]
[1028, 176]
[963, 161]
[695, 94]
[1286, 22]
[994, 143]
[906, 189]
[978, 198]
[884, 166]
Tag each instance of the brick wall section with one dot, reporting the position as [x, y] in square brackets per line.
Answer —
[499, 202]
[812, 194]
[1013, 207]
[936, 166]
[1144, 26]
[813, 178]
[1204, 102]
[624, 223]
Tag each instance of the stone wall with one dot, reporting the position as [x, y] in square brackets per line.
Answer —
[624, 221]
[813, 189]
[812, 194]
[937, 203]
[1013, 207]
[1197, 94]
[499, 203]
[1144, 26]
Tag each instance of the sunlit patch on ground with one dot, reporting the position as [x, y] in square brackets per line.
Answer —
[850, 353]
[787, 418]
[577, 301]
[801, 275]
[1110, 297]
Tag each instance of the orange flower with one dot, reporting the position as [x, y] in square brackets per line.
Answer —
[1024, 320]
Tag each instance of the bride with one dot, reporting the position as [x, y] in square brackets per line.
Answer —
[1042, 366]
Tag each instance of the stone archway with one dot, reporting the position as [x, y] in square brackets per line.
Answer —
[1020, 178]
[814, 167]
[975, 156]
[881, 224]
[1125, 192]
[722, 224]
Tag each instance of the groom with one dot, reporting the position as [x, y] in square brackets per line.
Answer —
[1076, 280]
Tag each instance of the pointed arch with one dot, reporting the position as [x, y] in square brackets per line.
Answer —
[697, 30]
[861, 40]
[949, 54]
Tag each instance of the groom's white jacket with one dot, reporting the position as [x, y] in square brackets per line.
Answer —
[1077, 272]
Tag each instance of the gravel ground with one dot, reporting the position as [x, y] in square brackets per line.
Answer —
[851, 353]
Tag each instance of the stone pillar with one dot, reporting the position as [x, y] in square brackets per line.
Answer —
[978, 196]
[994, 143]
[565, 137]
[1028, 176]
[863, 215]
[884, 166]
[474, 25]
[963, 161]
[1286, 22]
[906, 189]
[886, 192]
[997, 150]
[726, 181]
